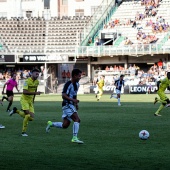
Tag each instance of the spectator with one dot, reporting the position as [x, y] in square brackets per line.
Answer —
[64, 76]
[160, 63]
[68, 75]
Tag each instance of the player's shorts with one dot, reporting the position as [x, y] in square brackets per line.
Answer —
[118, 91]
[68, 110]
[27, 105]
[9, 93]
[100, 91]
[162, 95]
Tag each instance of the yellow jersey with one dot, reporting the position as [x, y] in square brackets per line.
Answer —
[100, 83]
[30, 85]
[164, 84]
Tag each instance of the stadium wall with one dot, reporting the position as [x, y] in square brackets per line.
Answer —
[133, 89]
[18, 8]
[85, 5]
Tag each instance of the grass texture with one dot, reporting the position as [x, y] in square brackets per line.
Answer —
[110, 135]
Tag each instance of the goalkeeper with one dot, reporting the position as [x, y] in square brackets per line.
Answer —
[162, 86]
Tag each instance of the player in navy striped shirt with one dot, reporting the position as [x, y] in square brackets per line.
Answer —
[69, 107]
[119, 84]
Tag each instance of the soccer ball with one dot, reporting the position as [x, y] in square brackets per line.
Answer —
[144, 134]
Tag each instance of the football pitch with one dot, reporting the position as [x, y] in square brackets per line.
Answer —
[110, 135]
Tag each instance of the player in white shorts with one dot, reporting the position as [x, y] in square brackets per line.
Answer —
[69, 106]
[119, 84]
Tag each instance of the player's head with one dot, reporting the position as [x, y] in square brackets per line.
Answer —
[76, 75]
[35, 73]
[121, 77]
[13, 76]
[102, 77]
[168, 75]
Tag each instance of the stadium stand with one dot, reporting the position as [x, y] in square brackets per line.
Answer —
[131, 22]
[64, 32]
[19, 34]
[36, 34]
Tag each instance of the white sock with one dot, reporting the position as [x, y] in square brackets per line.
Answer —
[118, 100]
[58, 124]
[75, 128]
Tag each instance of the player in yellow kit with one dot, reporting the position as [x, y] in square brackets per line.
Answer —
[162, 86]
[27, 99]
[100, 85]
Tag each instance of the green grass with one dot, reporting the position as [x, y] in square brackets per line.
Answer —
[110, 134]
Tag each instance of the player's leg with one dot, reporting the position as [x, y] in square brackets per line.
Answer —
[25, 106]
[116, 96]
[112, 94]
[65, 124]
[159, 109]
[163, 100]
[168, 103]
[66, 120]
[10, 100]
[29, 116]
[4, 97]
[15, 110]
[99, 94]
[118, 99]
[76, 125]
[97, 91]
[1, 102]
[25, 122]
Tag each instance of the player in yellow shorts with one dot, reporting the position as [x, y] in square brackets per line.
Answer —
[100, 85]
[162, 86]
[27, 99]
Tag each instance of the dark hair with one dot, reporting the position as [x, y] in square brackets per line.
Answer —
[122, 75]
[75, 72]
[168, 75]
[35, 70]
[12, 74]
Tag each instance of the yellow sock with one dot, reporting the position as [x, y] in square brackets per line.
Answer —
[21, 113]
[160, 108]
[25, 123]
[162, 101]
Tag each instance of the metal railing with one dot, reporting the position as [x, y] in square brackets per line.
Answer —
[97, 51]
[94, 24]
[135, 49]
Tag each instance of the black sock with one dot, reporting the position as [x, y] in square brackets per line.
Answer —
[9, 105]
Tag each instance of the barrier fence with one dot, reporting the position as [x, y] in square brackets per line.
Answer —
[95, 51]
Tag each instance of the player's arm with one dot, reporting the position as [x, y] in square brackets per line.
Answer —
[66, 97]
[34, 95]
[76, 104]
[26, 92]
[17, 88]
[158, 84]
[25, 89]
[123, 84]
[98, 83]
[115, 83]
